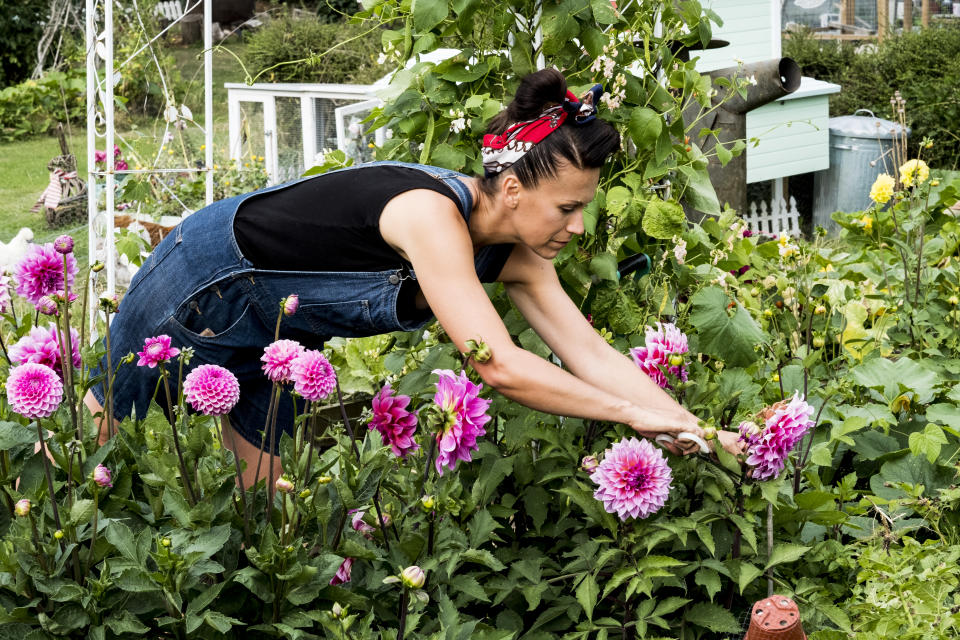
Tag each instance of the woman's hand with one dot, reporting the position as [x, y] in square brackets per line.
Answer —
[650, 423]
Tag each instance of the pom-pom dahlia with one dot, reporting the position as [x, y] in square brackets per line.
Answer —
[464, 414]
[313, 375]
[395, 423]
[785, 424]
[40, 272]
[34, 390]
[155, 351]
[42, 346]
[661, 342]
[343, 573]
[63, 244]
[633, 480]
[278, 359]
[102, 476]
[211, 390]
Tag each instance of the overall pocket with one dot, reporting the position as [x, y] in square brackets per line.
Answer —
[345, 319]
[219, 312]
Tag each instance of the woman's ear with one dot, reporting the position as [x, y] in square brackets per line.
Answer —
[510, 188]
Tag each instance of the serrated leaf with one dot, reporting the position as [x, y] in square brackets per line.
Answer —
[482, 556]
[746, 530]
[82, 511]
[713, 617]
[587, 593]
[669, 605]
[748, 573]
[786, 553]
[469, 585]
[709, 580]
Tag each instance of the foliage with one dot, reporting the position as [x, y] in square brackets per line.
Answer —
[36, 106]
[290, 48]
[921, 64]
[21, 25]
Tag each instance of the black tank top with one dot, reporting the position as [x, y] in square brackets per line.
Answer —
[332, 223]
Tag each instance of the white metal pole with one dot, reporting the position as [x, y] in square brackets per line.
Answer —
[208, 94]
[110, 186]
[91, 50]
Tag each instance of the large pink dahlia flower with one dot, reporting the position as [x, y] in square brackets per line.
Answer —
[278, 359]
[156, 350]
[661, 343]
[464, 413]
[313, 375]
[785, 424]
[211, 390]
[394, 421]
[34, 390]
[42, 346]
[633, 480]
[40, 272]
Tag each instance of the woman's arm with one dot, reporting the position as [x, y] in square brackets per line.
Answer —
[433, 236]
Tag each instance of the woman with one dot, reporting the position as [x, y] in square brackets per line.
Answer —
[385, 247]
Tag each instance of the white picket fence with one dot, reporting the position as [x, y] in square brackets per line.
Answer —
[774, 218]
[169, 10]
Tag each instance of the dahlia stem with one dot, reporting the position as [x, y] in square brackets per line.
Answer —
[108, 399]
[93, 535]
[46, 469]
[274, 399]
[6, 356]
[271, 485]
[36, 544]
[236, 465]
[309, 468]
[176, 438]
[68, 362]
[402, 614]
[769, 547]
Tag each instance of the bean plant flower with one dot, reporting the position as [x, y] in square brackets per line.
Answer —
[278, 359]
[156, 350]
[662, 343]
[882, 189]
[313, 375]
[211, 390]
[34, 390]
[22, 508]
[633, 480]
[102, 476]
[40, 272]
[343, 572]
[42, 345]
[785, 424]
[914, 172]
[394, 421]
[463, 415]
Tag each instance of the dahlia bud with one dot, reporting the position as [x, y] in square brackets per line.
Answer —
[709, 433]
[22, 508]
[97, 267]
[427, 503]
[47, 306]
[102, 477]
[820, 310]
[818, 342]
[324, 480]
[165, 542]
[413, 577]
[63, 244]
[109, 304]
[306, 493]
[284, 484]
[58, 534]
[478, 350]
[290, 304]
[589, 463]
[767, 313]
[676, 360]
[775, 377]
[954, 300]
[337, 610]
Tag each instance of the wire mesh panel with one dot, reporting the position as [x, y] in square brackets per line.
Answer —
[825, 13]
[252, 130]
[289, 138]
[357, 138]
[324, 110]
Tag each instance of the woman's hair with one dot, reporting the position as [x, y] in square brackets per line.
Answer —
[585, 146]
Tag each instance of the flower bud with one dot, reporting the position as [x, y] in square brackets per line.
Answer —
[589, 463]
[818, 342]
[22, 508]
[676, 360]
[63, 244]
[97, 267]
[284, 484]
[337, 611]
[101, 476]
[709, 433]
[306, 493]
[479, 350]
[109, 304]
[290, 304]
[775, 377]
[820, 310]
[954, 300]
[165, 542]
[413, 577]
[427, 503]
[324, 480]
[47, 306]
[58, 534]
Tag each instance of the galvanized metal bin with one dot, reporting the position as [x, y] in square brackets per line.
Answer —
[860, 150]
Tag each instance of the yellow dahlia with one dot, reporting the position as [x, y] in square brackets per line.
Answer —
[914, 169]
[882, 189]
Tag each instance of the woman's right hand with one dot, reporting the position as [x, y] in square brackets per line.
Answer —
[650, 423]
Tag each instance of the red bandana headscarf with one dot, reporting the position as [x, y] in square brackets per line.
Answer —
[501, 151]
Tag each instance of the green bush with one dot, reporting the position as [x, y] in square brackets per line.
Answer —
[287, 39]
[20, 28]
[921, 65]
[35, 106]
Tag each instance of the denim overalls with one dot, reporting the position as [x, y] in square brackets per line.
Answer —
[200, 290]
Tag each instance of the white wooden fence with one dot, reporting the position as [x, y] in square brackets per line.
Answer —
[169, 10]
[774, 218]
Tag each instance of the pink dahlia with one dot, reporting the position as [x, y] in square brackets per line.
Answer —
[464, 414]
[34, 390]
[313, 375]
[343, 573]
[395, 423]
[102, 476]
[211, 390]
[155, 351]
[42, 346]
[785, 424]
[633, 479]
[6, 304]
[40, 272]
[278, 359]
[662, 343]
[359, 525]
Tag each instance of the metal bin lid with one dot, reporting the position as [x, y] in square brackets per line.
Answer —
[871, 127]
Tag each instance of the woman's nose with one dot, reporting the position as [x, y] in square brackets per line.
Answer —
[575, 225]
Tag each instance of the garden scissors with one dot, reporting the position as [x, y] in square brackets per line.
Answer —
[666, 438]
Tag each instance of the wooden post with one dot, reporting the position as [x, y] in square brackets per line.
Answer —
[907, 15]
[848, 14]
[883, 19]
[925, 13]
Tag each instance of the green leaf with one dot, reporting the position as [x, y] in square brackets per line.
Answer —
[13, 434]
[927, 442]
[713, 617]
[645, 127]
[723, 154]
[123, 621]
[482, 556]
[448, 157]
[709, 580]
[786, 553]
[698, 191]
[748, 573]
[618, 198]
[587, 594]
[469, 585]
[428, 13]
[603, 12]
[200, 602]
[663, 219]
[729, 338]
[82, 512]
[669, 605]
[482, 526]
[119, 535]
[604, 266]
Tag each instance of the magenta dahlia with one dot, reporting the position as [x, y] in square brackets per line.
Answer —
[42, 346]
[464, 414]
[785, 424]
[313, 375]
[34, 390]
[394, 421]
[278, 359]
[211, 390]
[156, 350]
[633, 480]
[662, 343]
[343, 573]
[40, 272]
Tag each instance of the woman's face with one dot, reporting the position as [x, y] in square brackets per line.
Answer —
[548, 216]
